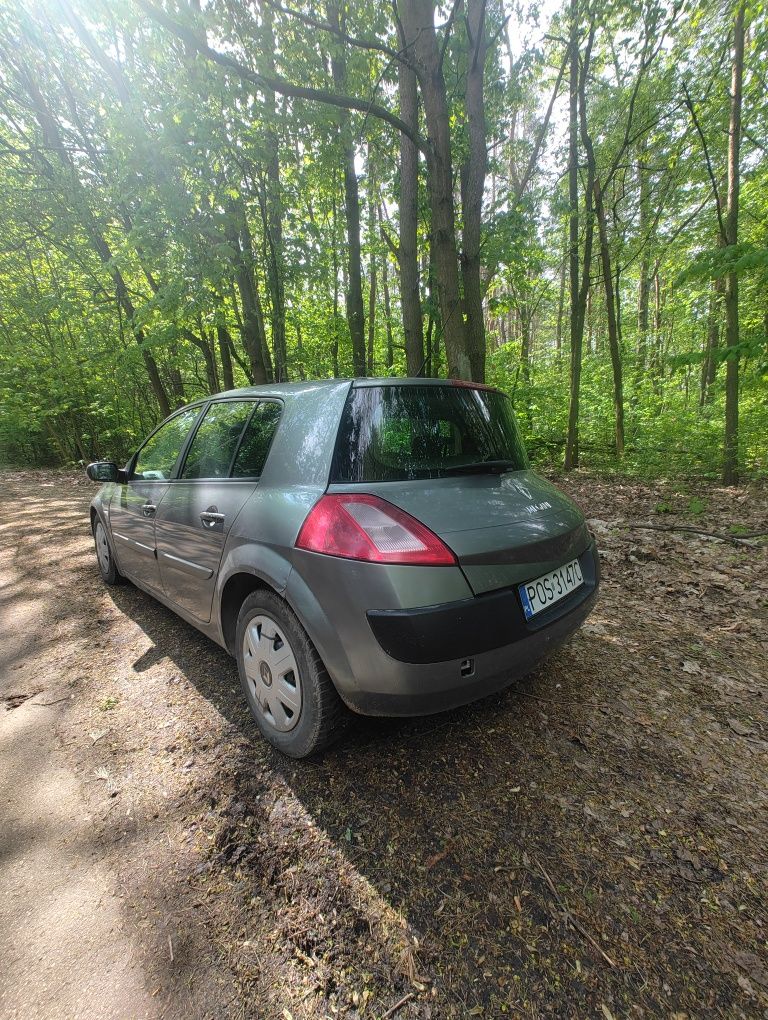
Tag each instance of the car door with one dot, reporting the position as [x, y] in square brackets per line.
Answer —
[133, 508]
[220, 471]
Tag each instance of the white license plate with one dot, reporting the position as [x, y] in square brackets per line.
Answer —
[550, 588]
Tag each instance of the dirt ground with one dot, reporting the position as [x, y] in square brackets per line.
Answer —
[591, 843]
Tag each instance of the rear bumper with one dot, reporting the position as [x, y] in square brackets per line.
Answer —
[441, 657]
[408, 657]
[426, 689]
[472, 626]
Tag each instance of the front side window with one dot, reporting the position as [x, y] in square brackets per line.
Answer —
[211, 451]
[397, 433]
[159, 454]
[257, 440]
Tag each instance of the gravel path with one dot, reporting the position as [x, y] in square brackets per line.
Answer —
[64, 943]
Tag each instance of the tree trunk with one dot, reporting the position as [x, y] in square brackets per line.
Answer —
[560, 311]
[712, 341]
[335, 334]
[244, 365]
[274, 210]
[354, 290]
[300, 351]
[371, 318]
[610, 308]
[572, 438]
[410, 296]
[731, 436]
[654, 363]
[225, 353]
[644, 284]
[418, 18]
[371, 267]
[525, 356]
[579, 289]
[265, 354]
[175, 378]
[253, 333]
[390, 354]
[473, 173]
[209, 358]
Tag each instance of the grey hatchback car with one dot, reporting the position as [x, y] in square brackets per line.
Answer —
[379, 545]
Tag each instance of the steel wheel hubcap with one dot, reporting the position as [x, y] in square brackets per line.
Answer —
[102, 547]
[272, 673]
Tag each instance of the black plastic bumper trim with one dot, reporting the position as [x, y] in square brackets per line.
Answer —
[471, 626]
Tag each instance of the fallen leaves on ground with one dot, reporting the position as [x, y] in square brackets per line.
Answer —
[481, 863]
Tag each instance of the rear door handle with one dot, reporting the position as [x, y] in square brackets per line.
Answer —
[148, 509]
[211, 518]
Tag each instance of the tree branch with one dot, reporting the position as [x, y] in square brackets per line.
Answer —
[480, 33]
[277, 84]
[497, 34]
[107, 64]
[393, 247]
[522, 184]
[707, 160]
[447, 31]
[733, 539]
[351, 40]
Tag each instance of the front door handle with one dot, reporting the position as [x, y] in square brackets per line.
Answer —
[211, 518]
[149, 509]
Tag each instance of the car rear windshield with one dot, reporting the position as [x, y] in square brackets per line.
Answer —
[396, 433]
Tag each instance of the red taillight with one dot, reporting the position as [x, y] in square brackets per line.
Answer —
[364, 527]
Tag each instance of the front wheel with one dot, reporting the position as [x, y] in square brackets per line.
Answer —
[107, 566]
[287, 687]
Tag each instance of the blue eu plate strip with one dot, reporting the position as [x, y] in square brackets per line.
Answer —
[527, 608]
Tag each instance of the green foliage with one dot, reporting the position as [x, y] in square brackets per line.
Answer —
[166, 158]
[718, 262]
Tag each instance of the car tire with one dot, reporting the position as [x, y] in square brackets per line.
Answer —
[287, 687]
[104, 554]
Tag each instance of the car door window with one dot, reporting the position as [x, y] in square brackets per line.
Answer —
[257, 440]
[211, 451]
[159, 454]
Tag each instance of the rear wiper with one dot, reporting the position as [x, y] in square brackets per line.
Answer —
[481, 467]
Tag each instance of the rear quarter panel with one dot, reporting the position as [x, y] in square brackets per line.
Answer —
[261, 541]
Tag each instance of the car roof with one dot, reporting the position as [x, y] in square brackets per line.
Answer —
[279, 389]
[287, 389]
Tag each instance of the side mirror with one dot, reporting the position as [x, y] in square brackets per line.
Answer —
[103, 471]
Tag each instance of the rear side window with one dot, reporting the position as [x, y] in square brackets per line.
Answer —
[396, 433]
[211, 451]
[252, 455]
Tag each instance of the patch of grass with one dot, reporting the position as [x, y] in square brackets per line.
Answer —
[738, 529]
[108, 704]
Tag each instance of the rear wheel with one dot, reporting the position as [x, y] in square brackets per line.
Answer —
[107, 567]
[287, 687]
